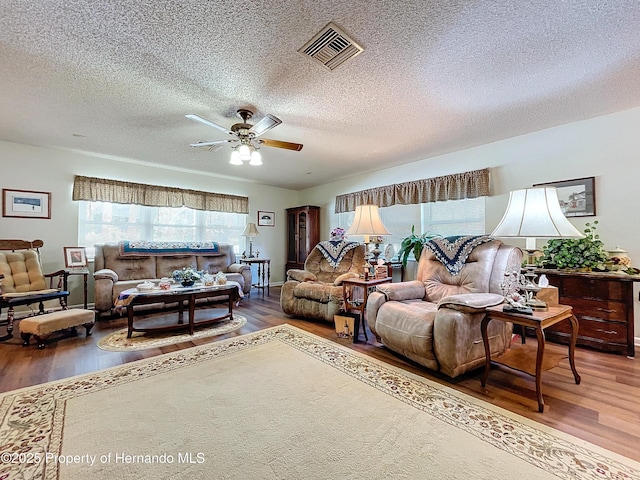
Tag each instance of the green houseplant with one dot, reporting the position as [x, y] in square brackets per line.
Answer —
[414, 243]
[576, 253]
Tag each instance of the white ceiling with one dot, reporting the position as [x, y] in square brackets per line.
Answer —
[116, 78]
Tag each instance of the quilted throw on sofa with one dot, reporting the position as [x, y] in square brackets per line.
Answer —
[335, 250]
[454, 251]
[167, 248]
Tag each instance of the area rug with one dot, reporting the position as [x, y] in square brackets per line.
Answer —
[278, 404]
[118, 341]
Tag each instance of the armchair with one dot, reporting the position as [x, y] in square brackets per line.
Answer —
[22, 281]
[316, 291]
[435, 319]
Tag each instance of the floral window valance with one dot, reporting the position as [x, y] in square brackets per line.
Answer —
[448, 187]
[115, 191]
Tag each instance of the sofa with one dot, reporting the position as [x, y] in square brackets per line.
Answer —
[117, 270]
[435, 319]
[316, 291]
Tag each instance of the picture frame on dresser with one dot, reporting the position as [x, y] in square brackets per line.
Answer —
[577, 197]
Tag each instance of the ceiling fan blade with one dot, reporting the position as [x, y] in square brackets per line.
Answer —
[279, 144]
[206, 144]
[209, 123]
[267, 123]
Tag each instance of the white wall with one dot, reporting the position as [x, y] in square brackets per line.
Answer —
[49, 170]
[606, 147]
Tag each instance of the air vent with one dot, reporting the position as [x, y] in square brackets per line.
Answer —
[331, 47]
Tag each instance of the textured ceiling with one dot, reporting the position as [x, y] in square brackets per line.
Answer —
[116, 78]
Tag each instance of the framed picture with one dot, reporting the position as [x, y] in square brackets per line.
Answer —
[26, 204]
[75, 257]
[577, 197]
[266, 219]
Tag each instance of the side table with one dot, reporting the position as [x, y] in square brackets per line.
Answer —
[359, 305]
[520, 358]
[264, 272]
[85, 273]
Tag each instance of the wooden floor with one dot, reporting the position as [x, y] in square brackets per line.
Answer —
[604, 409]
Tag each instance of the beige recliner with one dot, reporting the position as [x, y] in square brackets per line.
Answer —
[435, 319]
[316, 291]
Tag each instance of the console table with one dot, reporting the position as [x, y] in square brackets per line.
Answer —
[603, 304]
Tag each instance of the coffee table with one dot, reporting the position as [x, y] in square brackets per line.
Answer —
[132, 297]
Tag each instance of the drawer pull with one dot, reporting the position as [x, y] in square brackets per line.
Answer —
[608, 332]
[606, 310]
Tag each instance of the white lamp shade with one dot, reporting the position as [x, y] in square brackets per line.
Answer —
[367, 222]
[535, 212]
[250, 230]
[245, 152]
[235, 158]
[256, 158]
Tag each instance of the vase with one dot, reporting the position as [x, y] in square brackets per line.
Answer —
[188, 283]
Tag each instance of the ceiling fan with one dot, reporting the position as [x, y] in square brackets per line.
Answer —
[246, 137]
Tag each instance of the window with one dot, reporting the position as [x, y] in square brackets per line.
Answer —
[101, 222]
[453, 217]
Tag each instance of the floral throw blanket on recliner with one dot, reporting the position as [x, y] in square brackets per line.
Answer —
[454, 251]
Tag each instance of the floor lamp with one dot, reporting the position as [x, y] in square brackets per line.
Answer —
[367, 222]
[250, 231]
[534, 213]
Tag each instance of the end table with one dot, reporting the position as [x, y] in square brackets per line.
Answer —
[359, 305]
[264, 272]
[85, 273]
[520, 358]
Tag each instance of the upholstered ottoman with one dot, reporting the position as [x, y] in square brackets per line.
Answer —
[42, 326]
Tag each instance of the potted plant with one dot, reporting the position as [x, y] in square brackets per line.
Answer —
[413, 244]
[187, 276]
[585, 253]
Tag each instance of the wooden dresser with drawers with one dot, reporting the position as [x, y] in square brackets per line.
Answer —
[603, 304]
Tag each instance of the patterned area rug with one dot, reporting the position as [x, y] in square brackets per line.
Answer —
[260, 405]
[118, 341]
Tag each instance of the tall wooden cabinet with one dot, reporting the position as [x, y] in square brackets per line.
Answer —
[303, 233]
[603, 304]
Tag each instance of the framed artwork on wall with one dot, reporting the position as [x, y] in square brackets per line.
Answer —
[26, 204]
[75, 257]
[577, 197]
[266, 219]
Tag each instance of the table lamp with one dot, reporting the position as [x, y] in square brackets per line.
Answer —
[534, 213]
[250, 231]
[367, 222]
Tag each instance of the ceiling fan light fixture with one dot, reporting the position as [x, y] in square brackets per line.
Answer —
[235, 158]
[256, 158]
[245, 152]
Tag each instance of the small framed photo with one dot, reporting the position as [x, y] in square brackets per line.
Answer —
[75, 257]
[577, 197]
[26, 204]
[266, 219]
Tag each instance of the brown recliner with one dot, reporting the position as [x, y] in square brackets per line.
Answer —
[435, 319]
[316, 291]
